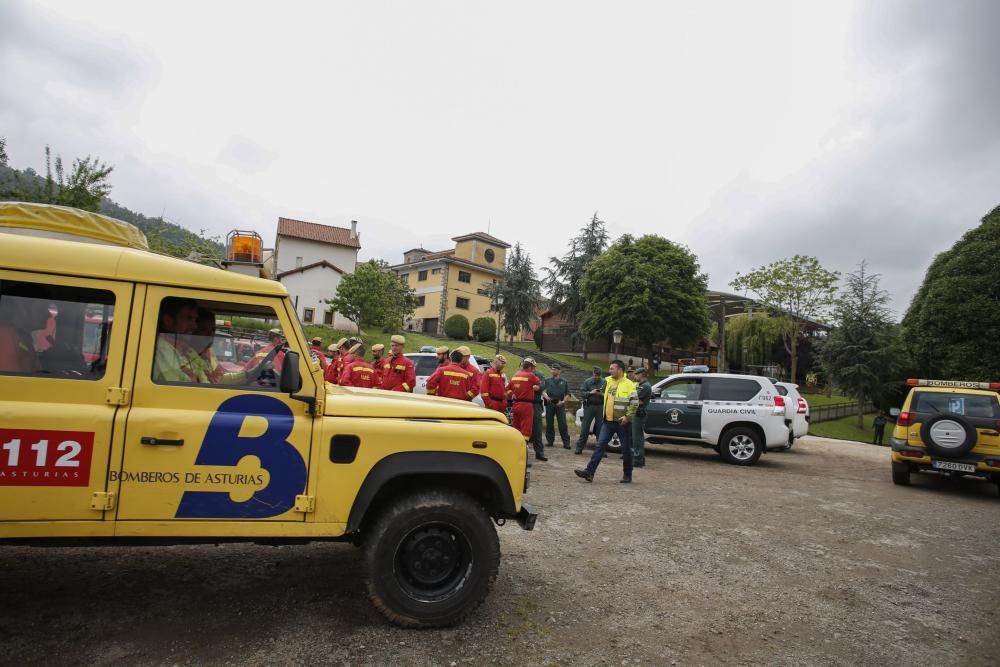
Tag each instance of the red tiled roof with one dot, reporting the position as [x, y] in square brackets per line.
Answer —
[303, 269]
[312, 231]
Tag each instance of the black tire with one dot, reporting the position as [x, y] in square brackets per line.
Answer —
[901, 473]
[948, 435]
[741, 446]
[431, 558]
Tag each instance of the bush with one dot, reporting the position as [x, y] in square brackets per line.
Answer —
[484, 329]
[457, 327]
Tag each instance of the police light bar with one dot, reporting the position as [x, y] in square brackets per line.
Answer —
[958, 384]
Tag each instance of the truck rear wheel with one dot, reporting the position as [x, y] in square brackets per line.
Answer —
[740, 446]
[431, 558]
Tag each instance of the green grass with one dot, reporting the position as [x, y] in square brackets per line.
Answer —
[846, 428]
[414, 341]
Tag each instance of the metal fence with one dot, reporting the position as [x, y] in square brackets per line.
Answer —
[827, 412]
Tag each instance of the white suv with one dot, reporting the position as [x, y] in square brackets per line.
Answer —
[740, 416]
[796, 411]
[425, 363]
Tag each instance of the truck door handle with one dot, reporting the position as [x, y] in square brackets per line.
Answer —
[148, 440]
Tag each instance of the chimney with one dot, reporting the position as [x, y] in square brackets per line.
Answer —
[354, 229]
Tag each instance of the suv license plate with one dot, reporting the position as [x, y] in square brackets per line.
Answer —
[949, 465]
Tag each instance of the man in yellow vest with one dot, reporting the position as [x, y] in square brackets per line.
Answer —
[620, 405]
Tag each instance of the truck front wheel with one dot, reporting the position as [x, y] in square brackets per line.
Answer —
[431, 558]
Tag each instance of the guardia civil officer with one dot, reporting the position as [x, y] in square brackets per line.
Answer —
[643, 392]
[591, 392]
[554, 393]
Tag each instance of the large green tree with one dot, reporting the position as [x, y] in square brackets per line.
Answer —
[860, 354]
[564, 279]
[650, 288]
[952, 327]
[521, 292]
[795, 289]
[374, 296]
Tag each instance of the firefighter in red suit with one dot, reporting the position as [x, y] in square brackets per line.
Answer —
[523, 388]
[493, 386]
[378, 360]
[334, 368]
[398, 373]
[452, 381]
[358, 373]
[469, 366]
[316, 346]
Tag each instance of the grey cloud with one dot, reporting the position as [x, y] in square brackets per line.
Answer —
[926, 171]
[246, 155]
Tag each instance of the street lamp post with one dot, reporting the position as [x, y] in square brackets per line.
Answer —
[616, 336]
[499, 301]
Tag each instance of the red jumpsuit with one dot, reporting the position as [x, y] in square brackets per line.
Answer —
[359, 373]
[477, 374]
[522, 390]
[377, 364]
[330, 374]
[494, 391]
[451, 381]
[398, 374]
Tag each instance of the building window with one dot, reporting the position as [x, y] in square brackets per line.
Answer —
[435, 272]
[422, 275]
[421, 300]
[490, 255]
[328, 317]
[464, 277]
[462, 302]
[405, 277]
[298, 262]
[307, 314]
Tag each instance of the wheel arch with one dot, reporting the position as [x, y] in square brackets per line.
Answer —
[478, 476]
[755, 427]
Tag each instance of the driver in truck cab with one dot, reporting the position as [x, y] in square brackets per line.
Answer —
[176, 360]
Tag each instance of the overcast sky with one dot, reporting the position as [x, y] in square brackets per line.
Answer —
[749, 131]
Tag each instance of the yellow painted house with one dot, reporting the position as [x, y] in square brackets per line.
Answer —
[454, 281]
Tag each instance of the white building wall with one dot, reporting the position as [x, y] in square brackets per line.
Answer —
[310, 289]
[290, 248]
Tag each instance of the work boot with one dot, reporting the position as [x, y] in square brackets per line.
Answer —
[625, 480]
[541, 458]
[583, 474]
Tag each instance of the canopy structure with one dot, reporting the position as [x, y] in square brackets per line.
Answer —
[724, 304]
[63, 221]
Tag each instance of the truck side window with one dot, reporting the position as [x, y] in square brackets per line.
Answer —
[732, 389]
[54, 330]
[685, 389]
[221, 344]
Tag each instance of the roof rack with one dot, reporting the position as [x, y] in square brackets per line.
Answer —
[63, 221]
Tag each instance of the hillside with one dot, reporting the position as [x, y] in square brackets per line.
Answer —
[163, 236]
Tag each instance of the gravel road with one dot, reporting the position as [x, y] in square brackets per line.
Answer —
[810, 557]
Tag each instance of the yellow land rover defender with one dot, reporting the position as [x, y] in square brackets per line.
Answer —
[949, 426]
[124, 416]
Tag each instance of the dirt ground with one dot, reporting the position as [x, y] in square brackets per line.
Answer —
[810, 557]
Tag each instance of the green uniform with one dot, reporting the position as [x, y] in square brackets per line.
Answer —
[554, 391]
[643, 392]
[592, 418]
[536, 425]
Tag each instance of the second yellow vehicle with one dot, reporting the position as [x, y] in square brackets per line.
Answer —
[948, 426]
[117, 422]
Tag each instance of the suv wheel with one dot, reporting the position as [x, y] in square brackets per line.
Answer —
[740, 446]
[431, 559]
[901, 473]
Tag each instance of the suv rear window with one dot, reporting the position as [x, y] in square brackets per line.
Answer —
[731, 389]
[967, 405]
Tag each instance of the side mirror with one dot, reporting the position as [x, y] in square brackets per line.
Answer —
[893, 412]
[290, 379]
[657, 392]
